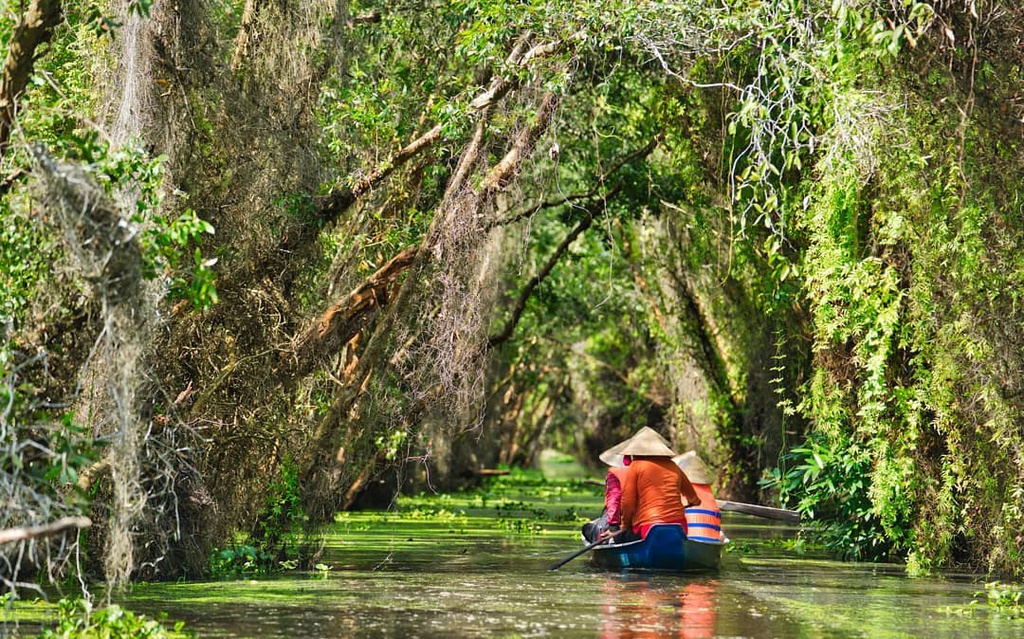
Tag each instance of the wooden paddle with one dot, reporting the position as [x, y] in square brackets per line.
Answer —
[600, 540]
[767, 512]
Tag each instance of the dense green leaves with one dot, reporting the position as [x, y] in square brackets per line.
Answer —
[797, 243]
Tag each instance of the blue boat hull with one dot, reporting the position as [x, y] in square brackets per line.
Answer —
[665, 548]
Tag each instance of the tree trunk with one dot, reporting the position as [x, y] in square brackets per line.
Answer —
[35, 28]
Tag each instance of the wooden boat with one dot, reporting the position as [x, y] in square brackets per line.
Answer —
[666, 547]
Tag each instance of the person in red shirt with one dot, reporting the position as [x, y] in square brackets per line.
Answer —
[655, 490]
[613, 480]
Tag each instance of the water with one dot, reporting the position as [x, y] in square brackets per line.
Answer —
[441, 573]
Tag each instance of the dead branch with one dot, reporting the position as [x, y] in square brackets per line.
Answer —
[45, 530]
[34, 29]
[345, 318]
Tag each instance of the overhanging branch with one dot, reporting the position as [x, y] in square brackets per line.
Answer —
[45, 530]
[346, 317]
[599, 185]
[535, 281]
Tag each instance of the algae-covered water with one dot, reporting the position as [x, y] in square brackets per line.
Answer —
[477, 565]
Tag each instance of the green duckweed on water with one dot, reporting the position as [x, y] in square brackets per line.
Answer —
[476, 564]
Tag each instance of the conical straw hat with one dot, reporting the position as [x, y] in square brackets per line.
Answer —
[612, 457]
[694, 468]
[647, 442]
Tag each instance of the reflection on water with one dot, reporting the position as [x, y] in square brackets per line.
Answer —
[444, 580]
[641, 610]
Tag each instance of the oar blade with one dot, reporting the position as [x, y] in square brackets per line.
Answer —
[767, 512]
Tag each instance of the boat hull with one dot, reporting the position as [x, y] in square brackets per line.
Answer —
[666, 547]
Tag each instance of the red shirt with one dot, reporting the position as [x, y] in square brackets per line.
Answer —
[613, 493]
[651, 493]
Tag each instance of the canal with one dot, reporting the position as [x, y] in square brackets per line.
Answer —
[477, 565]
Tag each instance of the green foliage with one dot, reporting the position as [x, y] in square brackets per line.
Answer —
[277, 528]
[1006, 599]
[829, 481]
[904, 284]
[391, 444]
[78, 619]
[24, 260]
[242, 560]
[140, 8]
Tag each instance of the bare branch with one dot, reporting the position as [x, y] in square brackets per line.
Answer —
[45, 530]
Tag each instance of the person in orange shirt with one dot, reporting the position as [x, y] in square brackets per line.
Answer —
[656, 491]
[614, 480]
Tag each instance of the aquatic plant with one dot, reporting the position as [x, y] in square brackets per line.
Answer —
[241, 560]
[1005, 599]
[79, 619]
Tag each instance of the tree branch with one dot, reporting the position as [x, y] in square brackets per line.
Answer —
[508, 166]
[346, 317]
[45, 530]
[535, 281]
[340, 199]
[11, 180]
[35, 28]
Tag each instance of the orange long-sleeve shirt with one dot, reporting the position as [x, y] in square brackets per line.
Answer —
[651, 493]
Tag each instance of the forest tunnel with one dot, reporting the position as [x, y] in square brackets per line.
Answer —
[381, 247]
